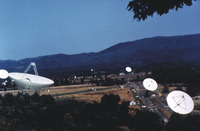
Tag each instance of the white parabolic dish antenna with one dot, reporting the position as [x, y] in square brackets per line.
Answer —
[180, 102]
[3, 74]
[25, 80]
[30, 81]
[128, 69]
[150, 84]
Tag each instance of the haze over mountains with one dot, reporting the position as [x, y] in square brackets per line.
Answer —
[144, 53]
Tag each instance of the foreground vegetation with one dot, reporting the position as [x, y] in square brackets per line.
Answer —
[25, 112]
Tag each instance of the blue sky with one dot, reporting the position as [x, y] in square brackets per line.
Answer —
[31, 28]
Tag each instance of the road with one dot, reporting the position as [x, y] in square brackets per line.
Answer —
[152, 104]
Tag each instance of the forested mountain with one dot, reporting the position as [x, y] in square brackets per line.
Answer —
[148, 53]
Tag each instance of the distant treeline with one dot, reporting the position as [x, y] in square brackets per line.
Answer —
[99, 80]
[188, 75]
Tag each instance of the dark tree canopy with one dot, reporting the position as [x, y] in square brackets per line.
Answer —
[145, 8]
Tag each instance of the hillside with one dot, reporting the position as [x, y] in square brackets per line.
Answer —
[148, 52]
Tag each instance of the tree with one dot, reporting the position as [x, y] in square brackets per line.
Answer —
[147, 93]
[27, 98]
[110, 102]
[8, 99]
[68, 122]
[145, 121]
[165, 89]
[183, 122]
[145, 8]
[35, 97]
[47, 100]
[124, 107]
[179, 88]
[20, 99]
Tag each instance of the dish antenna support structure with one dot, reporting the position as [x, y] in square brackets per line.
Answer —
[34, 68]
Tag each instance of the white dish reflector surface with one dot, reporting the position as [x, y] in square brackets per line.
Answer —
[128, 69]
[180, 102]
[3, 74]
[25, 80]
[150, 84]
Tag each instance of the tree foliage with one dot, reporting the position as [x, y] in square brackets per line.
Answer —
[47, 100]
[145, 8]
[75, 115]
[110, 100]
[179, 122]
[149, 119]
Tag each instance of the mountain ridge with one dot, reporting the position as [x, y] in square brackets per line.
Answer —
[138, 53]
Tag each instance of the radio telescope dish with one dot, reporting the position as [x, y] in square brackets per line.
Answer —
[30, 81]
[150, 84]
[180, 102]
[128, 69]
[3, 74]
